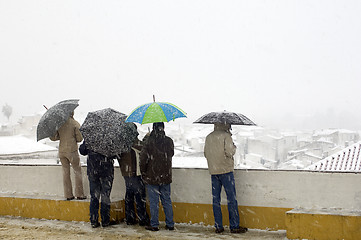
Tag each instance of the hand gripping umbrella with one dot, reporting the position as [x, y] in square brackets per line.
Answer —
[225, 117]
[105, 132]
[54, 118]
[155, 112]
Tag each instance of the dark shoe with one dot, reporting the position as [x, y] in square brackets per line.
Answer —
[95, 225]
[132, 222]
[239, 230]
[105, 225]
[80, 198]
[144, 223]
[169, 228]
[219, 230]
[70, 198]
[150, 228]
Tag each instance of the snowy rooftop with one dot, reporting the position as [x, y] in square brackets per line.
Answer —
[346, 160]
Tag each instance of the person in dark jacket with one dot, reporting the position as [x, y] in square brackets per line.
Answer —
[100, 171]
[135, 188]
[156, 169]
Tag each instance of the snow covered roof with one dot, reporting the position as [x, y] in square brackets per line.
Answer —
[346, 160]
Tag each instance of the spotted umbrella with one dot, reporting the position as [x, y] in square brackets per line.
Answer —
[54, 118]
[106, 132]
[225, 117]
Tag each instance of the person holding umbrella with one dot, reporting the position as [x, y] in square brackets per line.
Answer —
[156, 169]
[106, 137]
[156, 157]
[69, 135]
[100, 171]
[219, 150]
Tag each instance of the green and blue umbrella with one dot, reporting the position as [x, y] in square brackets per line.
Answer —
[155, 112]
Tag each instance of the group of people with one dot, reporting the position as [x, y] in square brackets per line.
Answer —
[147, 172]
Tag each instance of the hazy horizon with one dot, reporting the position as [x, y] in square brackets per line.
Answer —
[283, 64]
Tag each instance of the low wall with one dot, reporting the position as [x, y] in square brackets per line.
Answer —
[264, 197]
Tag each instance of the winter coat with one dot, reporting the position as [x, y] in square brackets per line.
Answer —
[128, 161]
[156, 159]
[98, 165]
[219, 150]
[69, 135]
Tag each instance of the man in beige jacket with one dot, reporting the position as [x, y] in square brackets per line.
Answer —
[219, 150]
[69, 135]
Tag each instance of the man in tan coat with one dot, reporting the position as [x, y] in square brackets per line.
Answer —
[69, 135]
[219, 150]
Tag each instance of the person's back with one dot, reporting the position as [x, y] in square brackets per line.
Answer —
[156, 168]
[98, 165]
[69, 135]
[100, 171]
[219, 150]
[156, 159]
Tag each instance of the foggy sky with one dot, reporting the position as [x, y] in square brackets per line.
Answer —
[284, 64]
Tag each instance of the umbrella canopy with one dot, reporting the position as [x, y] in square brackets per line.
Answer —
[155, 112]
[105, 132]
[54, 118]
[225, 117]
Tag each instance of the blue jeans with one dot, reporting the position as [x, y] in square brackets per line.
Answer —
[227, 181]
[135, 189]
[100, 188]
[163, 192]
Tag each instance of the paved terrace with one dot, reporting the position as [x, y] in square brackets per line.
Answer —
[24, 228]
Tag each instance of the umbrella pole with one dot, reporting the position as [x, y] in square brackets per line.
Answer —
[45, 107]
[153, 98]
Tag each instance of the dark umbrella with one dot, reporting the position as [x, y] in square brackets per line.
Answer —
[55, 117]
[225, 117]
[106, 132]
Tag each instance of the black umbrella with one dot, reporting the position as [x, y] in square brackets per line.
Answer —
[225, 117]
[106, 132]
[55, 117]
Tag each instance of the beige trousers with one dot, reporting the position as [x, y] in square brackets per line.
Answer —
[66, 159]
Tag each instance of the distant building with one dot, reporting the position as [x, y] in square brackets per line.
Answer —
[27, 125]
[6, 130]
[341, 137]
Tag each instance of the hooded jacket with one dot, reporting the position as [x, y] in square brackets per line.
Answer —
[69, 135]
[156, 159]
[219, 150]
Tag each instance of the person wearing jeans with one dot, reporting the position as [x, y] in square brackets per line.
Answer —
[226, 180]
[219, 150]
[163, 192]
[156, 169]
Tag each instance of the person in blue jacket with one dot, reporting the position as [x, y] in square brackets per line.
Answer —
[100, 171]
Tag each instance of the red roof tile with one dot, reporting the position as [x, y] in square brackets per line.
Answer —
[346, 160]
